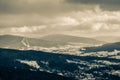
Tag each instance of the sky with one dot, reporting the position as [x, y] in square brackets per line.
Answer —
[35, 18]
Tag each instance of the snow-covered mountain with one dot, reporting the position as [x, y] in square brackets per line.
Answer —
[51, 43]
[70, 61]
[29, 64]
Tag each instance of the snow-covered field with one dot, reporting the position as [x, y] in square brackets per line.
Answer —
[85, 66]
[69, 61]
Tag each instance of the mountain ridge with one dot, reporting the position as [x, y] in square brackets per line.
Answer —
[69, 38]
[106, 47]
[19, 42]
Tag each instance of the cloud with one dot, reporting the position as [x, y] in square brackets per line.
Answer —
[60, 16]
[44, 7]
[27, 29]
[65, 21]
[51, 8]
[87, 22]
[105, 4]
[95, 1]
[100, 26]
[98, 19]
[95, 22]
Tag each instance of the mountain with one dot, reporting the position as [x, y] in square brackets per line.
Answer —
[106, 47]
[25, 74]
[10, 41]
[38, 65]
[108, 39]
[22, 65]
[18, 42]
[61, 38]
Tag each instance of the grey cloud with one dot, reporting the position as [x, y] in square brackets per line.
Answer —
[29, 6]
[10, 20]
[106, 4]
[95, 1]
[51, 8]
[42, 7]
[81, 15]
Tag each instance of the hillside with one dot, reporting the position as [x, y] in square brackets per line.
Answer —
[43, 65]
[17, 42]
[106, 47]
[58, 40]
[70, 39]
[109, 39]
[7, 73]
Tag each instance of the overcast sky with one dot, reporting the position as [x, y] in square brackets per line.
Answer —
[74, 17]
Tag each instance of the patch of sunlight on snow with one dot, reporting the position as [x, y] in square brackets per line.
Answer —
[30, 63]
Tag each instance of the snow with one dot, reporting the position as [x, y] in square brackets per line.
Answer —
[30, 63]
